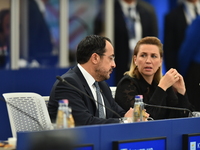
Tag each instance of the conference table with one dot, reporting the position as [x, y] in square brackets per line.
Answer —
[102, 136]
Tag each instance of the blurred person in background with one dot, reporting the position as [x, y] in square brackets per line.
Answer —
[175, 25]
[40, 44]
[39, 39]
[189, 62]
[4, 37]
[133, 20]
[80, 15]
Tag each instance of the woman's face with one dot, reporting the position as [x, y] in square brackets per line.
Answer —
[148, 60]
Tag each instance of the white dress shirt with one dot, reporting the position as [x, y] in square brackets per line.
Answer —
[138, 27]
[189, 11]
[90, 81]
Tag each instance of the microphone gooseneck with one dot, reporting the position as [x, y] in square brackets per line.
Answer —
[67, 83]
[174, 108]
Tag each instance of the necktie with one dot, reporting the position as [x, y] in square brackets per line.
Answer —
[100, 101]
[130, 24]
[195, 11]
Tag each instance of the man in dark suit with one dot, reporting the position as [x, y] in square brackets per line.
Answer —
[95, 57]
[145, 21]
[176, 23]
[189, 62]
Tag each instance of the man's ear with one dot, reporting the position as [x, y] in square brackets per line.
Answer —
[95, 58]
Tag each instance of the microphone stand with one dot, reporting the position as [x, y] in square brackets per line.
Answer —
[174, 108]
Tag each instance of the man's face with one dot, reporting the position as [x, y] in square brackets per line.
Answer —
[129, 1]
[106, 64]
[192, 1]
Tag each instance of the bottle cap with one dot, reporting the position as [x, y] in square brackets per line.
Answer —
[139, 96]
[64, 101]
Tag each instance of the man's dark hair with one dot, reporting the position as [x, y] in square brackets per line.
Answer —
[89, 45]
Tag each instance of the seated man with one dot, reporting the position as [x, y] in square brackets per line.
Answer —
[95, 57]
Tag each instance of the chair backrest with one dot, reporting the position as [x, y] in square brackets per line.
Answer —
[27, 112]
[46, 99]
[113, 90]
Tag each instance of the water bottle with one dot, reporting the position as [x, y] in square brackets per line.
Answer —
[61, 120]
[138, 109]
[70, 119]
[64, 116]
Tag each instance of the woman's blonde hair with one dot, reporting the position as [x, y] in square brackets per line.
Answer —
[133, 72]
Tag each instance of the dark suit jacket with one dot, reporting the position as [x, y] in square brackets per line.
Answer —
[83, 108]
[174, 33]
[121, 39]
[128, 87]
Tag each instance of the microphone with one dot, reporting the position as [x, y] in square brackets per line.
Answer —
[23, 112]
[191, 114]
[67, 83]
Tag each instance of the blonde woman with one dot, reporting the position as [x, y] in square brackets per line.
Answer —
[145, 78]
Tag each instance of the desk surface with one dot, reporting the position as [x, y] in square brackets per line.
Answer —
[102, 136]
